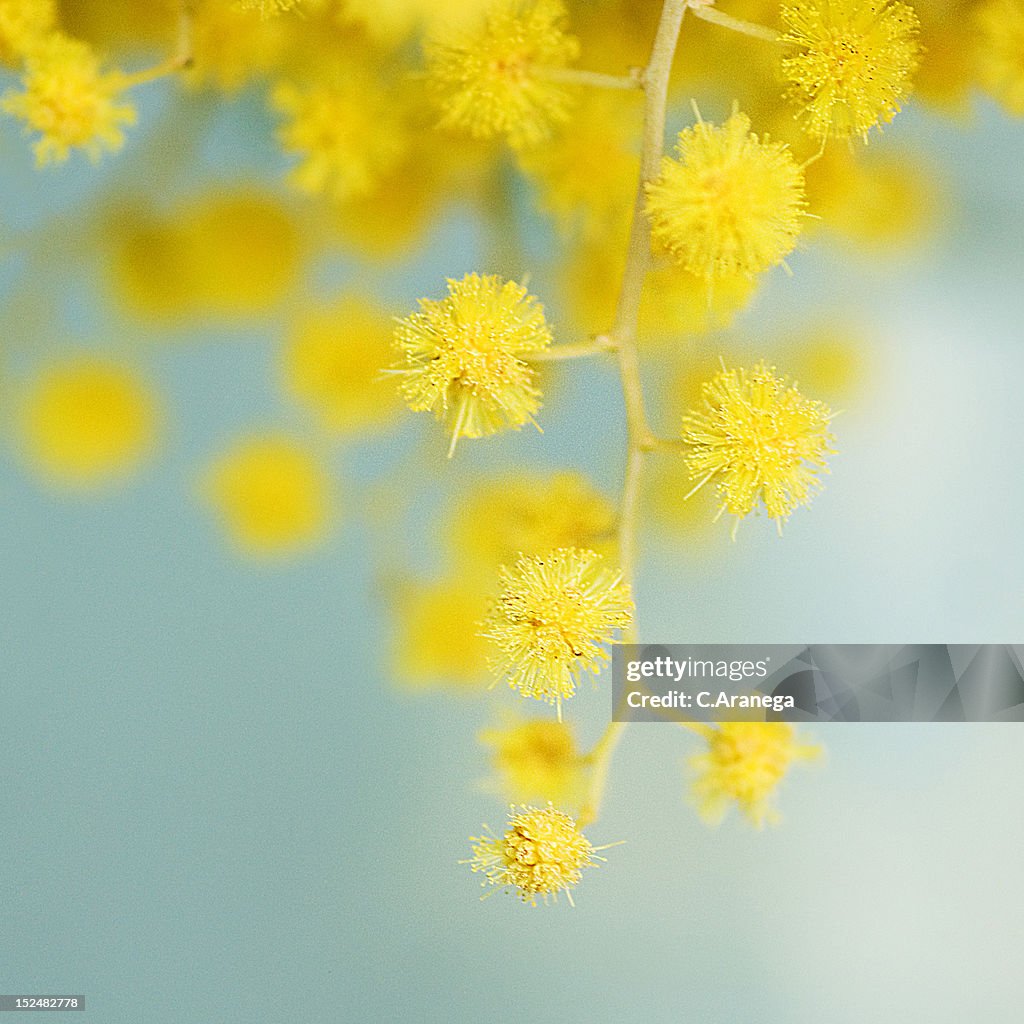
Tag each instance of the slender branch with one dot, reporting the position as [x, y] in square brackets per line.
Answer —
[597, 79]
[599, 346]
[716, 17]
[600, 758]
[640, 438]
[180, 60]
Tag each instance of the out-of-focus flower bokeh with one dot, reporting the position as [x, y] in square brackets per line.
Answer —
[247, 729]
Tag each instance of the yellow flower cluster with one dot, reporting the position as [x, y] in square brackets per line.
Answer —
[758, 439]
[271, 495]
[462, 356]
[542, 853]
[70, 101]
[744, 764]
[500, 77]
[499, 519]
[537, 759]
[730, 204]
[854, 63]
[552, 621]
[88, 422]
[345, 131]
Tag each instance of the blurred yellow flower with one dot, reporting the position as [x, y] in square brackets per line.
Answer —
[245, 248]
[496, 78]
[855, 63]
[346, 132]
[332, 363]
[230, 49]
[552, 621]
[437, 642]
[1000, 52]
[462, 356]
[879, 201]
[744, 764]
[271, 495]
[537, 760]
[23, 25]
[730, 204]
[759, 440]
[228, 253]
[87, 422]
[526, 514]
[829, 358]
[587, 172]
[69, 101]
[102, 23]
[542, 853]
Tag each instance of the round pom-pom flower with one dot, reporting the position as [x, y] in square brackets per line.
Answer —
[495, 80]
[89, 422]
[462, 356]
[759, 439]
[552, 620]
[271, 495]
[744, 764]
[542, 853]
[854, 63]
[731, 203]
[70, 101]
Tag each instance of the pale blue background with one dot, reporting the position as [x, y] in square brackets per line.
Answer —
[215, 808]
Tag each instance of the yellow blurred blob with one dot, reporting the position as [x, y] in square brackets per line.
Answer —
[947, 71]
[229, 254]
[437, 643]
[23, 23]
[70, 101]
[386, 221]
[333, 360]
[102, 23]
[587, 173]
[877, 201]
[231, 48]
[88, 422]
[676, 303]
[248, 249]
[536, 760]
[524, 514]
[345, 131]
[1000, 52]
[271, 495]
[828, 359]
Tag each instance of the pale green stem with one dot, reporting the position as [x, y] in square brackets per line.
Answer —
[597, 347]
[597, 79]
[747, 28]
[640, 438]
[179, 61]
